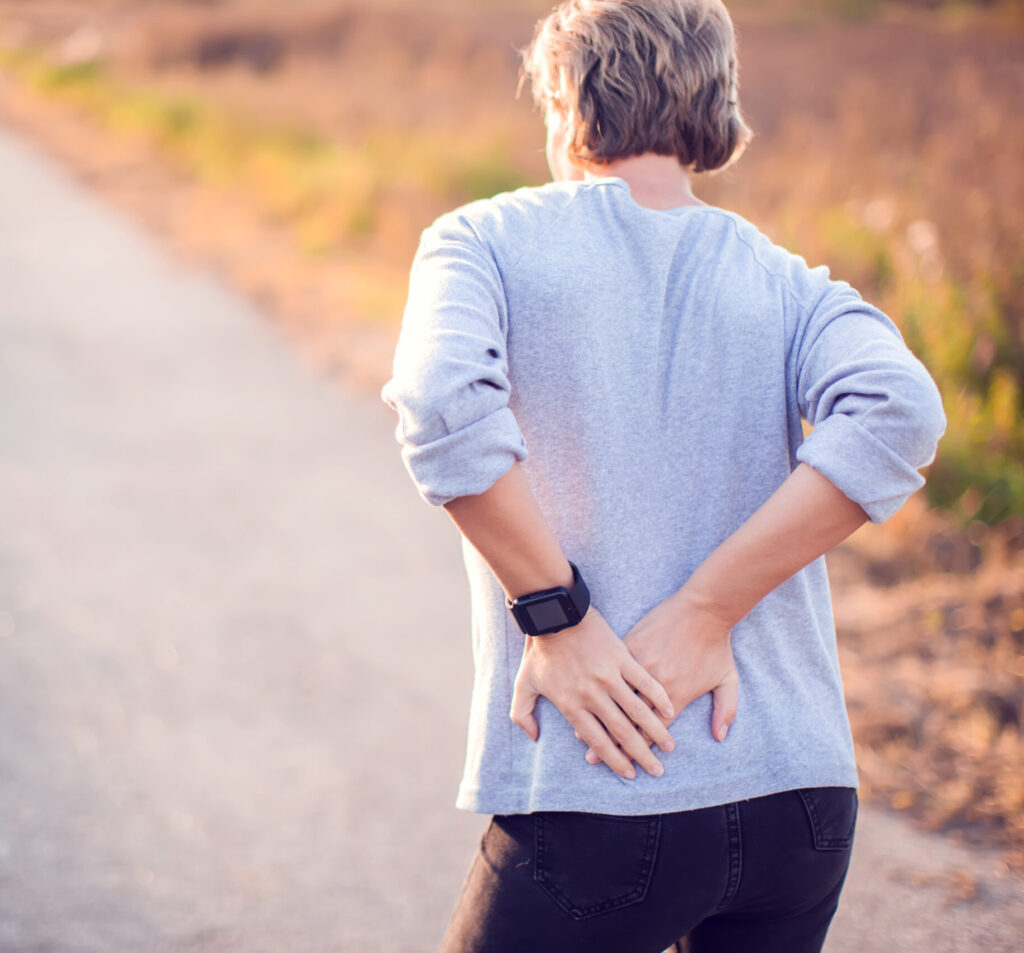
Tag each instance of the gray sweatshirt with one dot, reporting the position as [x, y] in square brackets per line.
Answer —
[652, 369]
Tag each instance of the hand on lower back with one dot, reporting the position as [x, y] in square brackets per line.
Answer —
[688, 650]
[606, 695]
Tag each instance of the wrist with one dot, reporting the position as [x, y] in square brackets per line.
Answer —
[538, 579]
[692, 600]
[552, 642]
[552, 610]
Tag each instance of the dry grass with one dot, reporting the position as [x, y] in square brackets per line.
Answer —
[931, 634]
[321, 139]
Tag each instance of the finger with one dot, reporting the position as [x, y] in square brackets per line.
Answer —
[665, 721]
[725, 701]
[594, 734]
[643, 717]
[592, 757]
[625, 733]
[521, 712]
[648, 686]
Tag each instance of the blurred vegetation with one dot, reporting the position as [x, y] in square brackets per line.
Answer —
[806, 10]
[967, 334]
[888, 146]
[292, 172]
[417, 118]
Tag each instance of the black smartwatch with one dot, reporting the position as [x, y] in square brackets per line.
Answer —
[551, 610]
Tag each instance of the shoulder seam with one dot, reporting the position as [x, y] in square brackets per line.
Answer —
[536, 236]
[768, 271]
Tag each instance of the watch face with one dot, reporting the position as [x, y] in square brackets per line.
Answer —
[549, 615]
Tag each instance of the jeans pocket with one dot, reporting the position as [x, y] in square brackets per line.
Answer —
[832, 813]
[592, 863]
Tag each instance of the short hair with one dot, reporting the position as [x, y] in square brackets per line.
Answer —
[640, 76]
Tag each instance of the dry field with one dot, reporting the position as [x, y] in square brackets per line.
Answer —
[302, 148]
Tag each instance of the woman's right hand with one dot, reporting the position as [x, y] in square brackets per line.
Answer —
[688, 649]
[589, 675]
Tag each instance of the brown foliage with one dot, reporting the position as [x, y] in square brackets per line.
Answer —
[889, 148]
[931, 633]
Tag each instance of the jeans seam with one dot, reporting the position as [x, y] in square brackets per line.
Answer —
[732, 816]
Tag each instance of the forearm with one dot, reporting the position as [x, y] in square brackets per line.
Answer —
[805, 517]
[586, 671]
[506, 526]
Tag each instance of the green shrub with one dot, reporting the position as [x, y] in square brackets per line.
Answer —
[964, 334]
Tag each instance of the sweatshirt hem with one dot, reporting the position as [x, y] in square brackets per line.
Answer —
[551, 798]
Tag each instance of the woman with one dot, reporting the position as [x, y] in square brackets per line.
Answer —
[603, 380]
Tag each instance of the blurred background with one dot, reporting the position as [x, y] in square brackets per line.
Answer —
[301, 147]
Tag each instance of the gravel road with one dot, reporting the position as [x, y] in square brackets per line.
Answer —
[231, 714]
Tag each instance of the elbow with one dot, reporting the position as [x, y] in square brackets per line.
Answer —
[420, 420]
[466, 462]
[924, 421]
[876, 436]
[428, 416]
[456, 443]
[902, 411]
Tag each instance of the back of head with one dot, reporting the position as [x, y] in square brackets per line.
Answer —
[638, 76]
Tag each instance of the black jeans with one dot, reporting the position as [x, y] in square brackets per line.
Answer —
[762, 876]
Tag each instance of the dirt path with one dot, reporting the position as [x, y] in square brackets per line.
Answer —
[226, 722]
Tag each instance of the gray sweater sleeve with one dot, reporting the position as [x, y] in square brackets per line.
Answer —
[876, 412]
[450, 382]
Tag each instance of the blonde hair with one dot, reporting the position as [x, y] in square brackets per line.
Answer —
[637, 76]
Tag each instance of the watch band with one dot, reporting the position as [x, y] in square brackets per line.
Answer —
[551, 610]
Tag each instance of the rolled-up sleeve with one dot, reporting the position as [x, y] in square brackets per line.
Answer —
[450, 384]
[876, 412]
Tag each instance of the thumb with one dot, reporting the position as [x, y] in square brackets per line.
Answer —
[523, 700]
[724, 699]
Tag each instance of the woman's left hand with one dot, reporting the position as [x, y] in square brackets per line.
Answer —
[602, 691]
